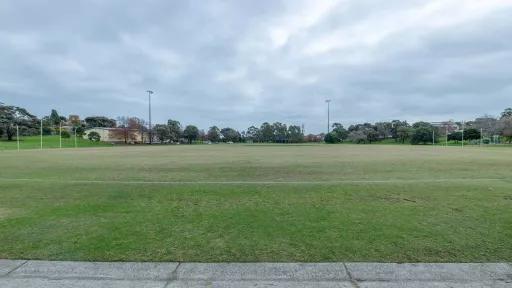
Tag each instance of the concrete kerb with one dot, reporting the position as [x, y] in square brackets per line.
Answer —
[259, 284]
[9, 282]
[8, 266]
[262, 271]
[95, 270]
[14, 272]
[430, 271]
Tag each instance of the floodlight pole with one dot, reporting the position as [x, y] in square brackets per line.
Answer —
[481, 136]
[446, 132]
[41, 133]
[60, 134]
[462, 133]
[150, 130]
[433, 138]
[328, 101]
[18, 136]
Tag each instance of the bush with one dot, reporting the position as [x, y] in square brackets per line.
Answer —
[80, 131]
[331, 138]
[47, 130]
[422, 135]
[358, 137]
[455, 136]
[94, 136]
[472, 134]
[65, 134]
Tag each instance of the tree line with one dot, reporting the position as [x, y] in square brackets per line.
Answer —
[13, 117]
[486, 128]
[276, 132]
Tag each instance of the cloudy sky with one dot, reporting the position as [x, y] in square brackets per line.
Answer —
[237, 63]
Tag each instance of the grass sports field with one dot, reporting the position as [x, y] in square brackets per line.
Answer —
[258, 203]
[34, 142]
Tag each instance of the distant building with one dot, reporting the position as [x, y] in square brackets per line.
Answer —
[314, 137]
[118, 135]
[74, 120]
[447, 126]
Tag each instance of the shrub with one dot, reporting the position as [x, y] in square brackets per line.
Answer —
[47, 130]
[422, 135]
[357, 137]
[94, 136]
[455, 136]
[80, 131]
[472, 134]
[65, 134]
[331, 138]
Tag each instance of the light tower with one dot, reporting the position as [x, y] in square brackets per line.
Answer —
[328, 101]
[150, 129]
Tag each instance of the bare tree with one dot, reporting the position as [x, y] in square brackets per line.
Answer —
[128, 128]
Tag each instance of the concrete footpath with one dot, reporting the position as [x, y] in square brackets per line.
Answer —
[41, 274]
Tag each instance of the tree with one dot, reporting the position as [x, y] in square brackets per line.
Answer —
[422, 124]
[142, 129]
[339, 132]
[505, 126]
[12, 116]
[174, 130]
[295, 134]
[213, 134]
[243, 136]
[472, 134]
[507, 113]
[421, 135]
[65, 134]
[253, 134]
[128, 128]
[266, 132]
[8, 120]
[331, 138]
[363, 133]
[94, 136]
[357, 136]
[162, 132]
[360, 127]
[80, 131]
[371, 135]
[280, 132]
[55, 119]
[191, 133]
[403, 133]
[455, 136]
[201, 135]
[396, 126]
[384, 129]
[487, 124]
[99, 121]
[230, 135]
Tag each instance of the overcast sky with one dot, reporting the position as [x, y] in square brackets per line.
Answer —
[237, 63]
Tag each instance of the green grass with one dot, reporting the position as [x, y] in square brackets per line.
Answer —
[258, 203]
[34, 142]
[439, 142]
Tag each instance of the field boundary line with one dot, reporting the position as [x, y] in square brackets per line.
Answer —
[356, 181]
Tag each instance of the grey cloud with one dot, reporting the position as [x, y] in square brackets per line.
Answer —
[238, 63]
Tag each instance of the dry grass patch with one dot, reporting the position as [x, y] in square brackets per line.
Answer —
[8, 212]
